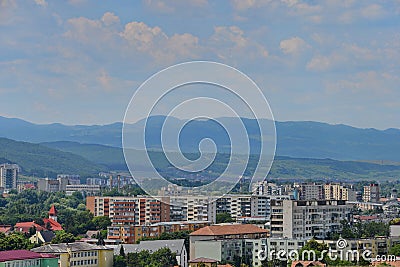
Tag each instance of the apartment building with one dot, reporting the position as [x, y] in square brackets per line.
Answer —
[131, 233]
[311, 191]
[305, 219]
[339, 192]
[87, 189]
[130, 210]
[371, 193]
[237, 205]
[8, 176]
[193, 208]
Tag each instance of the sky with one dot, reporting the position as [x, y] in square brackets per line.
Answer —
[80, 61]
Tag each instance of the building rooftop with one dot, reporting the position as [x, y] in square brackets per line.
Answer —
[203, 260]
[53, 211]
[234, 229]
[54, 225]
[13, 255]
[25, 226]
[62, 248]
[175, 245]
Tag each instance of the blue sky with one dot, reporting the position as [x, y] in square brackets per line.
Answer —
[79, 62]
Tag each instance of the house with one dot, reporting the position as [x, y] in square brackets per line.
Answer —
[203, 262]
[49, 223]
[42, 237]
[177, 246]
[6, 229]
[79, 254]
[24, 227]
[27, 258]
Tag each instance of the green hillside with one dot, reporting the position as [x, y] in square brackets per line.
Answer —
[283, 167]
[42, 161]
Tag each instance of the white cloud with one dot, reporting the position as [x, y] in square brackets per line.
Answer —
[367, 83]
[164, 6]
[323, 63]
[373, 11]
[105, 80]
[42, 3]
[294, 45]
[109, 19]
[231, 42]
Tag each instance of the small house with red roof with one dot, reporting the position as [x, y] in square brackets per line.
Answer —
[27, 258]
[24, 227]
[6, 229]
[49, 223]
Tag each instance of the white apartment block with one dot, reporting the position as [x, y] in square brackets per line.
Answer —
[8, 176]
[89, 190]
[193, 208]
[305, 219]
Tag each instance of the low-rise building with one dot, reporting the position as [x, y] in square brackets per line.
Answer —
[176, 246]
[132, 233]
[79, 254]
[218, 235]
[42, 237]
[14, 258]
[87, 189]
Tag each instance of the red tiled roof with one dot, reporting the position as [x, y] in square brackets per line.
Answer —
[21, 255]
[202, 260]
[366, 217]
[53, 211]
[25, 226]
[234, 229]
[5, 228]
[55, 226]
[389, 263]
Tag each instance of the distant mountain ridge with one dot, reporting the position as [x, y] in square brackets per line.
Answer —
[41, 161]
[303, 139]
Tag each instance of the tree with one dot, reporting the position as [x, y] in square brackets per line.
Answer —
[119, 261]
[63, 237]
[122, 251]
[395, 250]
[14, 241]
[163, 258]
[224, 217]
[101, 222]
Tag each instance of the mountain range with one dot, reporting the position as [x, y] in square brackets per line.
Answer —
[300, 139]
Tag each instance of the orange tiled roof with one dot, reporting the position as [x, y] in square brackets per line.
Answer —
[55, 226]
[234, 229]
[53, 210]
